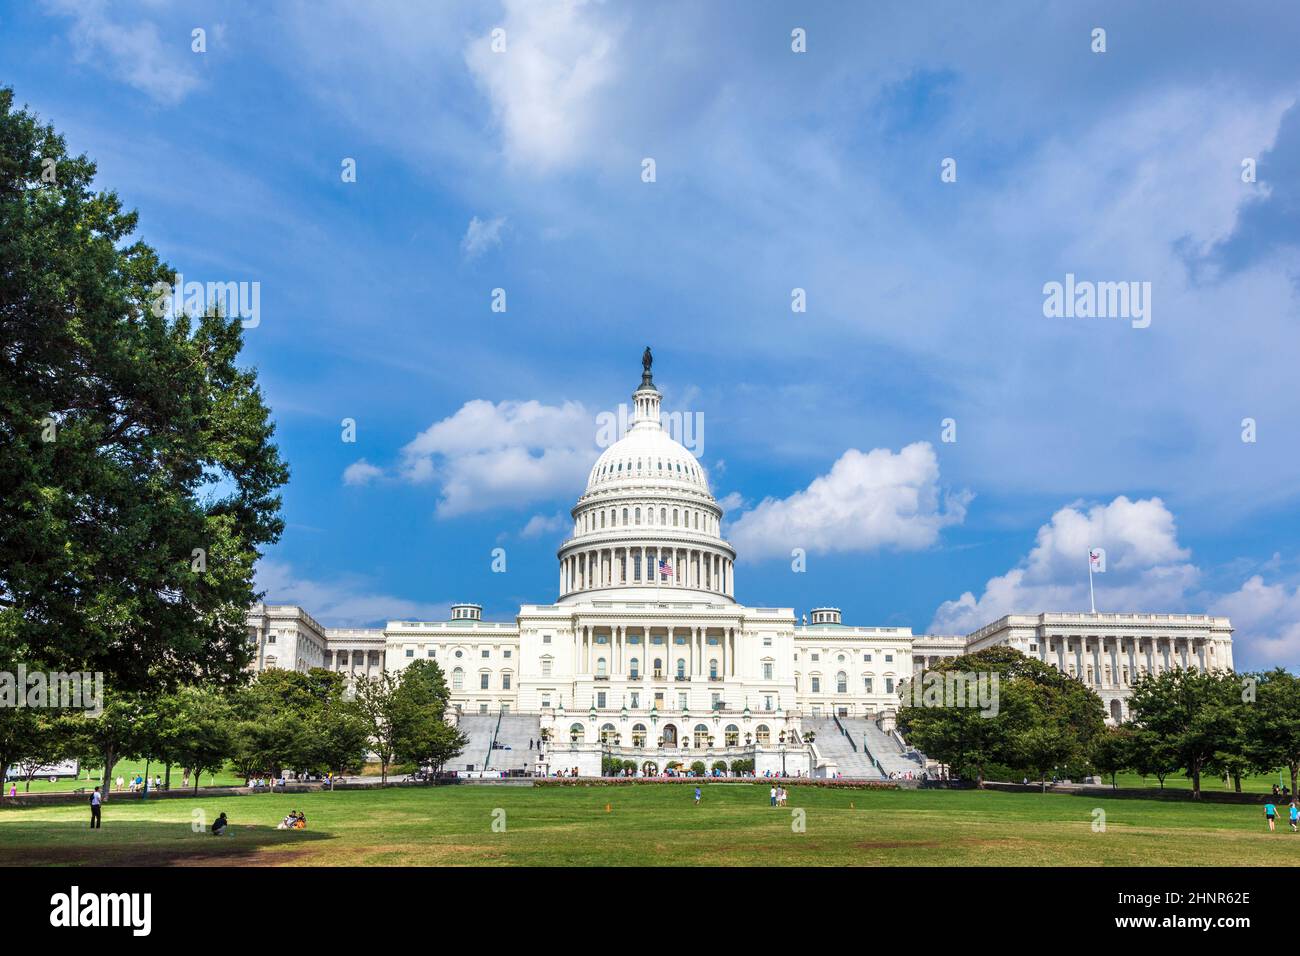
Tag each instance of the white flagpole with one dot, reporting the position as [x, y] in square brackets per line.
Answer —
[1092, 597]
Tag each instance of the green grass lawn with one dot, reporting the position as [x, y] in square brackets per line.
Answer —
[1177, 781]
[654, 824]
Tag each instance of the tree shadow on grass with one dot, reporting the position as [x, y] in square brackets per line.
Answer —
[151, 844]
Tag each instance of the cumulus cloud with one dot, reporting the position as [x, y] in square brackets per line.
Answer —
[361, 472]
[1266, 619]
[481, 236]
[342, 602]
[508, 453]
[131, 51]
[868, 500]
[1147, 569]
[559, 57]
[539, 525]
[731, 502]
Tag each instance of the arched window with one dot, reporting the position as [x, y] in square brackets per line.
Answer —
[638, 735]
[577, 732]
[638, 515]
[602, 519]
[659, 667]
[701, 735]
[841, 683]
[731, 736]
[663, 515]
[600, 667]
[674, 517]
[624, 516]
[681, 669]
[634, 668]
[713, 669]
[763, 734]
[607, 733]
[457, 679]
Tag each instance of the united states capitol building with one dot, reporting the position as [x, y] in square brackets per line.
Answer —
[645, 654]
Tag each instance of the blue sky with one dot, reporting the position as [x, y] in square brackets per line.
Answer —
[775, 170]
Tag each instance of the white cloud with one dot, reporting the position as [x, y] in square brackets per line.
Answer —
[361, 472]
[345, 602]
[867, 501]
[1266, 620]
[558, 58]
[733, 501]
[509, 453]
[539, 525]
[481, 236]
[1147, 570]
[132, 52]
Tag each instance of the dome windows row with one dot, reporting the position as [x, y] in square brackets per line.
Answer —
[648, 467]
[692, 519]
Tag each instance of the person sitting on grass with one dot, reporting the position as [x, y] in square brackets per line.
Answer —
[288, 822]
[300, 821]
[220, 825]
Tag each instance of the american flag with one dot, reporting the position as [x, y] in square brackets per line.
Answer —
[665, 568]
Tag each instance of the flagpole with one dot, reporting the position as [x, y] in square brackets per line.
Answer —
[1092, 597]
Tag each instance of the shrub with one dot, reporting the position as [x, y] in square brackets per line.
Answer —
[698, 768]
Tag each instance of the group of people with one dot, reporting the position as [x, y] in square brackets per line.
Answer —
[778, 796]
[295, 820]
[1270, 813]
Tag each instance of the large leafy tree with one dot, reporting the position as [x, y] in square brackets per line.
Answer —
[1192, 716]
[422, 735]
[293, 721]
[377, 701]
[1044, 718]
[1271, 702]
[138, 479]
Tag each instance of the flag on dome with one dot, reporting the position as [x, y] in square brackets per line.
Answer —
[665, 567]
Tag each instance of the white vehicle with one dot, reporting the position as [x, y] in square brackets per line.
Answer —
[68, 768]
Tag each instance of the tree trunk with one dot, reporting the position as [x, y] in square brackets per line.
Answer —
[1236, 782]
[167, 777]
[4, 770]
[197, 774]
[1295, 769]
[383, 773]
[1196, 782]
[106, 784]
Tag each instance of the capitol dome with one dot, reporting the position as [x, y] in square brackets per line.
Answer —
[647, 527]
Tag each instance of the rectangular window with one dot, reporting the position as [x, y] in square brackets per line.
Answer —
[270, 639]
[816, 685]
[486, 652]
[410, 652]
[816, 656]
[546, 638]
[546, 667]
[431, 653]
[505, 681]
[482, 708]
[483, 681]
[767, 642]
[546, 702]
[889, 685]
[767, 671]
[867, 682]
[506, 653]
[889, 658]
[636, 700]
[866, 658]
[600, 700]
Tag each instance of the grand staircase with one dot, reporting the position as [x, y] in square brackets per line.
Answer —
[835, 747]
[498, 742]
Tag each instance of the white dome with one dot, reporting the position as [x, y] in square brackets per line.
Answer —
[646, 527]
[646, 453]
